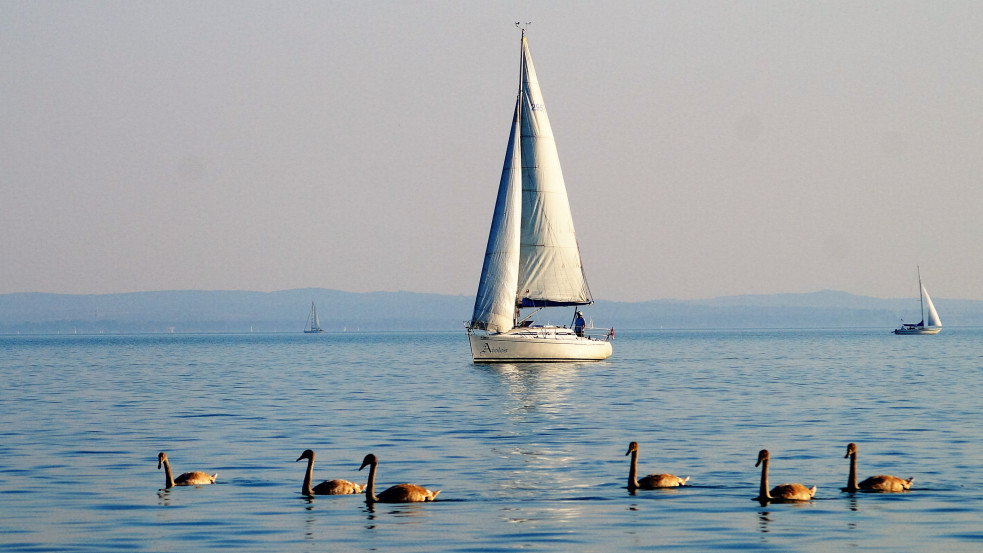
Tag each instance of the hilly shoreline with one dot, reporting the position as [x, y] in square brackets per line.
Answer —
[189, 311]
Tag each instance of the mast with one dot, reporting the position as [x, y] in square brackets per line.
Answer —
[921, 294]
[522, 58]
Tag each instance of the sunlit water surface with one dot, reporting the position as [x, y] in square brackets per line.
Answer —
[528, 457]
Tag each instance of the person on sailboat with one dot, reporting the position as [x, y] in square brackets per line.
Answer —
[579, 324]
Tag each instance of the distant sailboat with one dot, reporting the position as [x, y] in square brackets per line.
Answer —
[313, 324]
[934, 324]
[532, 259]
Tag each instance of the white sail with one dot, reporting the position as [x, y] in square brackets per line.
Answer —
[550, 271]
[313, 323]
[494, 306]
[933, 315]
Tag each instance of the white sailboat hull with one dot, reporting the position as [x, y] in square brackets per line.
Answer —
[919, 330]
[537, 344]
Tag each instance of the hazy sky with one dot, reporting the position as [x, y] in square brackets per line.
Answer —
[709, 148]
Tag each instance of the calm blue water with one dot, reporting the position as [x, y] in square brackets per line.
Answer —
[527, 457]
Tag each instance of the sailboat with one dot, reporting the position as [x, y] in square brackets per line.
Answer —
[930, 326]
[532, 259]
[313, 323]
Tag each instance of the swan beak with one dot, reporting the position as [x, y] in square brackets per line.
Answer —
[758, 463]
[299, 458]
[364, 463]
[158, 464]
[628, 452]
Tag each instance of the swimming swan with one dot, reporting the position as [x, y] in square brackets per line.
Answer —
[783, 492]
[328, 487]
[652, 481]
[400, 493]
[879, 483]
[193, 478]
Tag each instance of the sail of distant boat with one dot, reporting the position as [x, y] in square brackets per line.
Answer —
[313, 323]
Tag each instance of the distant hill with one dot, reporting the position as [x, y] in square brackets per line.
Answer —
[229, 311]
[287, 310]
[825, 309]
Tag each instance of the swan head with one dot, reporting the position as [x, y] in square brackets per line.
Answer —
[851, 449]
[161, 458]
[763, 455]
[369, 460]
[632, 447]
[307, 454]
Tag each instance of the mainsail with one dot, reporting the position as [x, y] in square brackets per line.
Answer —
[532, 258]
[933, 315]
[550, 270]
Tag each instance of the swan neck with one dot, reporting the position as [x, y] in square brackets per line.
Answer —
[763, 492]
[168, 479]
[370, 485]
[851, 482]
[307, 477]
[633, 471]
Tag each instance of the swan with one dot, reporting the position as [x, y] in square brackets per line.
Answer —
[400, 493]
[193, 478]
[879, 483]
[783, 492]
[328, 487]
[652, 481]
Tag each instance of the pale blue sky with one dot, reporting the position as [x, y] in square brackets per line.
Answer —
[709, 148]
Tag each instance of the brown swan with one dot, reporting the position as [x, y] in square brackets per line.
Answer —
[328, 487]
[783, 492]
[193, 478]
[879, 483]
[652, 481]
[400, 493]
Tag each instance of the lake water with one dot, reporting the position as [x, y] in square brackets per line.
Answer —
[528, 457]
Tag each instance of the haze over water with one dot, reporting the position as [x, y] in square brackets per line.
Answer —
[709, 148]
[528, 457]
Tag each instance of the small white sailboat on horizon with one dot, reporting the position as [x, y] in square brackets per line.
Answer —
[532, 259]
[313, 323]
[931, 325]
